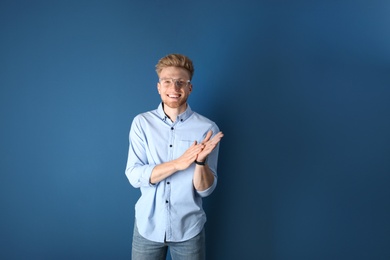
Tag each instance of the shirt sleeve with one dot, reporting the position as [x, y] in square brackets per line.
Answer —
[212, 162]
[138, 169]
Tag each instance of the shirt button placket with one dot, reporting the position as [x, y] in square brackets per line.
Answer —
[168, 184]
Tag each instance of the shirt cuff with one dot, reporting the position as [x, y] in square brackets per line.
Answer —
[207, 192]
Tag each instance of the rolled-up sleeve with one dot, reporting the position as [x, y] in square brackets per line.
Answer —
[207, 192]
[138, 169]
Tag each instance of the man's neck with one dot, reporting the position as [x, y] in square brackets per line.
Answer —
[172, 113]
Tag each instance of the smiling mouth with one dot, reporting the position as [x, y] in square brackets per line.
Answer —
[174, 96]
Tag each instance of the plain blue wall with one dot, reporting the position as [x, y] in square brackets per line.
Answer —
[301, 90]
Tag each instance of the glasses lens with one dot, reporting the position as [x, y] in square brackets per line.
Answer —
[181, 83]
[166, 82]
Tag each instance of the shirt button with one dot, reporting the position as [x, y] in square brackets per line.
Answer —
[168, 182]
[170, 145]
[166, 201]
[172, 128]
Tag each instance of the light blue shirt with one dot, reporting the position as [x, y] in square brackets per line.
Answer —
[171, 208]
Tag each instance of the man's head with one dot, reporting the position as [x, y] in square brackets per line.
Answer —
[175, 60]
[174, 86]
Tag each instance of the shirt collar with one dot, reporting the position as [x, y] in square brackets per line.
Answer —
[182, 117]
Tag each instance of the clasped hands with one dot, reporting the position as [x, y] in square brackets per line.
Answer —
[198, 151]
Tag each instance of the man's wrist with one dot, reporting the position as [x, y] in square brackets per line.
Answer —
[202, 163]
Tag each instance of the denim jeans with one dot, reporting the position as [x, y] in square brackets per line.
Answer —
[192, 249]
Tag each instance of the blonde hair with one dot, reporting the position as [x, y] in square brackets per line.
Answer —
[175, 60]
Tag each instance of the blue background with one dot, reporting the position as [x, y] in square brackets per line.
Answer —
[300, 89]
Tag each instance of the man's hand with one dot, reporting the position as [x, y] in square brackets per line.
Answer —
[197, 151]
[188, 157]
[208, 145]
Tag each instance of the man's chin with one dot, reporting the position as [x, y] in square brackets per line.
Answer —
[174, 104]
[170, 105]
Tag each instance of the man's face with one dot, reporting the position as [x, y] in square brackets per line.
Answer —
[173, 95]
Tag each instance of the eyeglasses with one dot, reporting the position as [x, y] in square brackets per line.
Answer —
[181, 83]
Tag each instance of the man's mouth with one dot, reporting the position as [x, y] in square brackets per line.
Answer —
[174, 96]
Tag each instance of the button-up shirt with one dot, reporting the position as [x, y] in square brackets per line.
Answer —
[170, 210]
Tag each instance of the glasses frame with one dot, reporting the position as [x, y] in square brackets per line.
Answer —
[175, 82]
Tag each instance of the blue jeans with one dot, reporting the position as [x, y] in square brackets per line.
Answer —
[192, 249]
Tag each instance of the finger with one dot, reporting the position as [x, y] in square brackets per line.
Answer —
[208, 135]
[217, 137]
[211, 144]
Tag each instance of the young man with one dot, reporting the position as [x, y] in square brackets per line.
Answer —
[173, 154]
